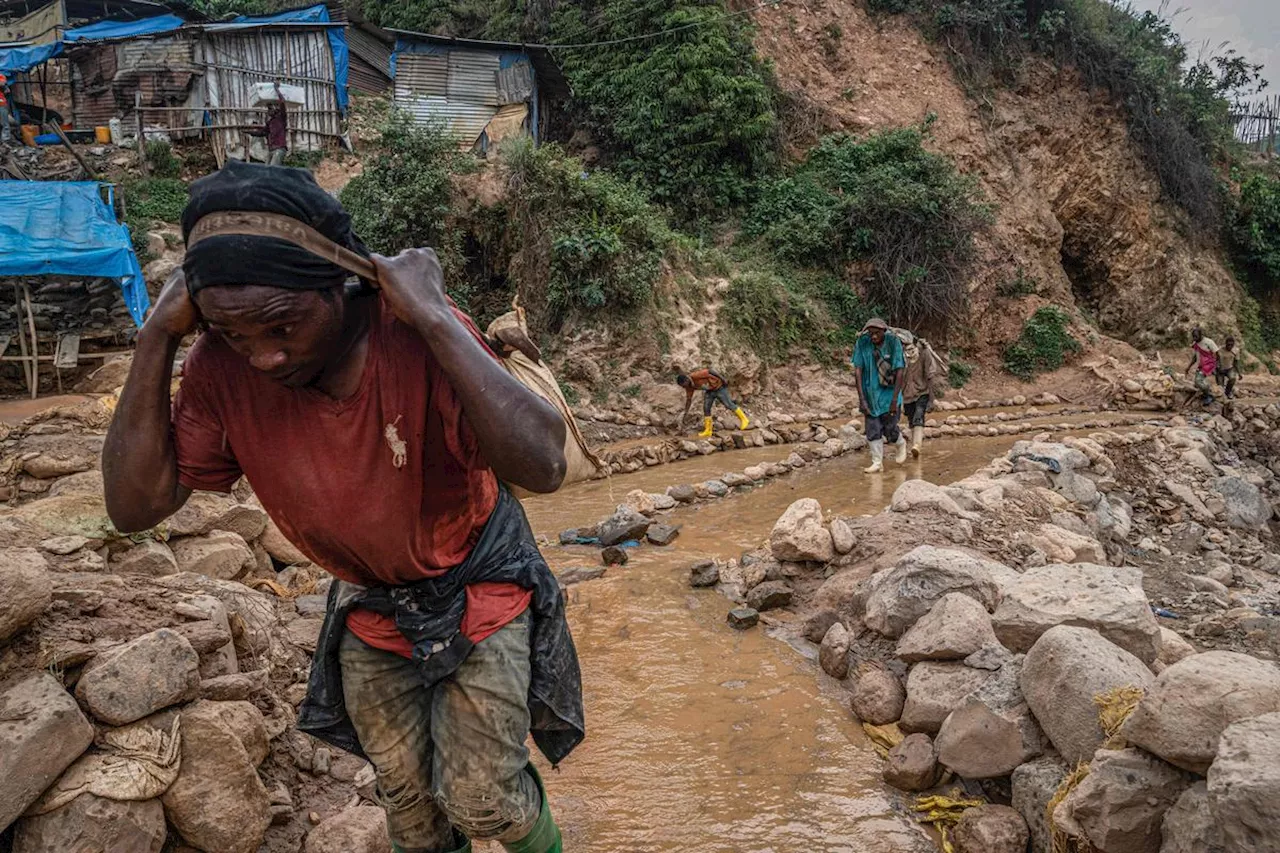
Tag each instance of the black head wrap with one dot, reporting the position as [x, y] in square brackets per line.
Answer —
[235, 259]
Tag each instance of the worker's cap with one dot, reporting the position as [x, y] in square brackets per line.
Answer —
[876, 323]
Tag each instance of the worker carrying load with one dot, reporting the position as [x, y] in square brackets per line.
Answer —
[377, 430]
[922, 383]
[879, 368]
[715, 389]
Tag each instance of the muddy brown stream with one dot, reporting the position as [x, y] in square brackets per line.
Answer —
[702, 738]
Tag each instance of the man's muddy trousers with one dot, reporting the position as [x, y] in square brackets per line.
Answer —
[453, 756]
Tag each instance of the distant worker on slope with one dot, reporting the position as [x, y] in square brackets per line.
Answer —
[714, 388]
[1204, 359]
[1228, 367]
[275, 129]
[879, 368]
[917, 386]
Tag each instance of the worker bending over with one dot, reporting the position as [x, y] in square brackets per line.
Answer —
[715, 389]
[377, 430]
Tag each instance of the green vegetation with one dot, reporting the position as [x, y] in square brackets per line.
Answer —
[774, 309]
[958, 372]
[579, 243]
[401, 199]
[1259, 326]
[148, 201]
[694, 122]
[884, 200]
[1256, 231]
[304, 159]
[161, 160]
[571, 395]
[1020, 285]
[1043, 345]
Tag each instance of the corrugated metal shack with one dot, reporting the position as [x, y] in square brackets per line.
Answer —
[117, 64]
[301, 47]
[371, 48]
[481, 91]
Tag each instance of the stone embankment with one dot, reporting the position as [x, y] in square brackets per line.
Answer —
[1083, 634]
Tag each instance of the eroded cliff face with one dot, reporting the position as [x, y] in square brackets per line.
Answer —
[1077, 211]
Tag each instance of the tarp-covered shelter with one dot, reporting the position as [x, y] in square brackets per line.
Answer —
[68, 228]
[481, 91]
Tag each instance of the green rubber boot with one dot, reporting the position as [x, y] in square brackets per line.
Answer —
[545, 835]
[463, 842]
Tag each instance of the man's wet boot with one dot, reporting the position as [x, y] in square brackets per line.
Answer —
[917, 440]
[743, 422]
[877, 457]
[545, 835]
[901, 455]
[707, 428]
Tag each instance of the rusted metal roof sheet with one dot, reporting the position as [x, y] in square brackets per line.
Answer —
[551, 80]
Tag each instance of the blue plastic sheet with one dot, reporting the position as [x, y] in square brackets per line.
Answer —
[67, 228]
[318, 14]
[124, 29]
[17, 59]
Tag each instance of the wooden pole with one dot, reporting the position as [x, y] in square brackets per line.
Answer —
[142, 137]
[35, 349]
[57, 128]
[22, 338]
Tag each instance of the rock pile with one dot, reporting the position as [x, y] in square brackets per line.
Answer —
[148, 688]
[1036, 647]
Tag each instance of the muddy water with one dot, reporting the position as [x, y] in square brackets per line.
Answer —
[17, 410]
[702, 738]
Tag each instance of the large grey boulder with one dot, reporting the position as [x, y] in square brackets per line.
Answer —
[41, 732]
[1189, 825]
[992, 732]
[915, 494]
[833, 653]
[1192, 702]
[1108, 599]
[217, 802]
[144, 675]
[91, 824]
[1247, 508]
[1244, 784]
[1120, 806]
[624, 525]
[990, 829]
[878, 697]
[799, 536]
[899, 596]
[25, 589]
[956, 627]
[934, 690]
[360, 829]
[222, 554]
[1063, 673]
[1034, 785]
[912, 765]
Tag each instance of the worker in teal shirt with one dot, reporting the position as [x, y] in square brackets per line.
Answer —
[879, 368]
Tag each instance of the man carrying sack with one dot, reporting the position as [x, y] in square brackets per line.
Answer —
[377, 430]
[879, 368]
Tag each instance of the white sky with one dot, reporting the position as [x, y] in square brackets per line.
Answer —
[1252, 27]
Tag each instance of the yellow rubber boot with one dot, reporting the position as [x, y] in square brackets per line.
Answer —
[707, 428]
[743, 422]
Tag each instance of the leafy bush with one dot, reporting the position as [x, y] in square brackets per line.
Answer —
[501, 20]
[1259, 326]
[578, 242]
[1020, 285]
[161, 199]
[1256, 232]
[958, 372]
[774, 309]
[690, 113]
[1043, 345]
[885, 200]
[161, 161]
[401, 199]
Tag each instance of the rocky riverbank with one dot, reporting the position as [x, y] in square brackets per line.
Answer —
[1082, 634]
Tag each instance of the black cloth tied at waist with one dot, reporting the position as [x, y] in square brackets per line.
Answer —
[429, 614]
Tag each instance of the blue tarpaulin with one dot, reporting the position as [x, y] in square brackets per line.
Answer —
[318, 14]
[103, 30]
[66, 228]
[16, 59]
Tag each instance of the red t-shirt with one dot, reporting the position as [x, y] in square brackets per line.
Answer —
[385, 487]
